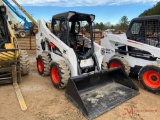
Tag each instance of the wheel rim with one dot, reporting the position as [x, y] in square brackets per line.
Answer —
[114, 64]
[22, 34]
[40, 65]
[152, 78]
[55, 75]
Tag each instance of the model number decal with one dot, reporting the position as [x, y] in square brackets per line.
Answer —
[109, 51]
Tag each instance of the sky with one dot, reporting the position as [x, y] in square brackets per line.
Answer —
[105, 10]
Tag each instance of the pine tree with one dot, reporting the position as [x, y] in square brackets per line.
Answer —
[155, 10]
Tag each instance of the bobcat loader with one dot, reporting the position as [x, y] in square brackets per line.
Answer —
[13, 61]
[75, 62]
[137, 51]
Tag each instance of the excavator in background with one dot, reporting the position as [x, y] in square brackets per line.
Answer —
[137, 51]
[16, 26]
[75, 62]
[29, 27]
[25, 12]
[33, 23]
[26, 26]
[13, 61]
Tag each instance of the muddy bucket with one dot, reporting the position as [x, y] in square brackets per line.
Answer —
[99, 92]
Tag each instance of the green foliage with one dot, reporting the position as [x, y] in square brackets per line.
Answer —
[100, 26]
[124, 23]
[155, 10]
[103, 26]
[86, 27]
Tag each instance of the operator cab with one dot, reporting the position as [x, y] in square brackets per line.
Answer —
[145, 30]
[69, 27]
[4, 34]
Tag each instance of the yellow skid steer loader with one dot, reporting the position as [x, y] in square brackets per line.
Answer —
[13, 61]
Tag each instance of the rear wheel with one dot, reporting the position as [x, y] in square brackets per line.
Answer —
[24, 62]
[149, 78]
[59, 73]
[118, 61]
[43, 64]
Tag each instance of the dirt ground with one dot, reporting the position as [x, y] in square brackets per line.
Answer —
[44, 102]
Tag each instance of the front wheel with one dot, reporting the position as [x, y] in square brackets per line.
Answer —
[24, 62]
[118, 61]
[59, 74]
[149, 78]
[43, 64]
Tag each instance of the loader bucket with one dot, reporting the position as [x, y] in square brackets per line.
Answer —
[99, 92]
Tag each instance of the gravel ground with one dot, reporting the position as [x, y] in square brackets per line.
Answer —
[47, 103]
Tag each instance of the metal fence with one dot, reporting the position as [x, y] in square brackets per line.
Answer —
[28, 42]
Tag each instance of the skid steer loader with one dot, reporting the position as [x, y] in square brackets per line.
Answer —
[13, 61]
[137, 51]
[75, 62]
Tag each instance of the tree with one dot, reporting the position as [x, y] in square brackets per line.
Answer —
[108, 25]
[124, 23]
[117, 26]
[97, 26]
[101, 27]
[86, 27]
[155, 10]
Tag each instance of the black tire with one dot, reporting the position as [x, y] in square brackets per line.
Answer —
[43, 64]
[149, 78]
[118, 61]
[22, 34]
[59, 74]
[24, 62]
[104, 66]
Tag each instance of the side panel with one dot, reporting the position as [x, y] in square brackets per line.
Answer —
[138, 61]
[153, 50]
[110, 50]
[110, 41]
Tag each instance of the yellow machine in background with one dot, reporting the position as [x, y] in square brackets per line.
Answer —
[13, 61]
